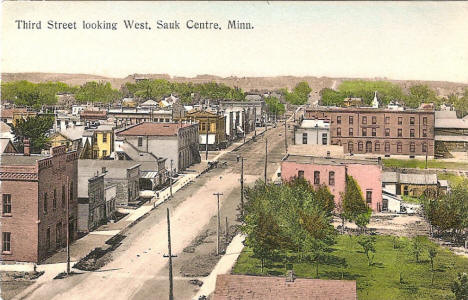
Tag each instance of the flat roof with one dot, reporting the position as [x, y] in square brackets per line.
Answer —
[367, 109]
[12, 159]
[329, 161]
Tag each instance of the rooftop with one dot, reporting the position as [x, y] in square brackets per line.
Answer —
[153, 129]
[368, 109]
[329, 161]
[263, 287]
[395, 177]
[11, 159]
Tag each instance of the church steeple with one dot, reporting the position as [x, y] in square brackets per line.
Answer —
[375, 102]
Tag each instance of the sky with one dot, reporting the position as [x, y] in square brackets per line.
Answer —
[402, 40]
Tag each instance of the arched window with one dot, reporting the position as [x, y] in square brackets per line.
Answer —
[331, 178]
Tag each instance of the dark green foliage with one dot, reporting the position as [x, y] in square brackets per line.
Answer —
[419, 94]
[353, 201]
[159, 88]
[299, 95]
[35, 129]
[25, 93]
[461, 104]
[367, 243]
[460, 287]
[97, 92]
[274, 106]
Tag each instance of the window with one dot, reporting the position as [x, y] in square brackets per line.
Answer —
[304, 138]
[104, 137]
[387, 120]
[6, 204]
[374, 120]
[58, 235]
[364, 120]
[167, 120]
[140, 141]
[54, 201]
[331, 178]
[387, 131]
[350, 131]
[377, 146]
[71, 191]
[48, 238]
[368, 197]
[424, 147]
[364, 132]
[324, 138]
[400, 120]
[63, 196]
[45, 203]
[387, 147]
[399, 147]
[104, 152]
[300, 174]
[368, 147]
[412, 147]
[424, 133]
[400, 132]
[374, 131]
[316, 177]
[350, 147]
[338, 131]
[424, 120]
[411, 132]
[338, 120]
[6, 242]
[360, 146]
[411, 121]
[351, 120]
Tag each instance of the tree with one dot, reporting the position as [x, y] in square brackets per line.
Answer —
[363, 219]
[274, 106]
[25, 93]
[367, 243]
[97, 92]
[353, 201]
[460, 287]
[35, 129]
[461, 104]
[299, 95]
[432, 252]
[418, 244]
[420, 93]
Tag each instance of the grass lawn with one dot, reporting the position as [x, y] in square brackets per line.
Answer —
[452, 178]
[412, 200]
[416, 163]
[382, 279]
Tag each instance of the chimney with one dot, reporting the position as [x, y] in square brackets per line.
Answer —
[290, 276]
[27, 150]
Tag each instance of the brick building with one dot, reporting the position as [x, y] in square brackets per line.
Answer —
[34, 203]
[332, 173]
[381, 132]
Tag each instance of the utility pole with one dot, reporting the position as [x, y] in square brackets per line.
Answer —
[285, 137]
[170, 256]
[242, 186]
[68, 226]
[219, 224]
[266, 158]
[170, 178]
[226, 237]
[206, 142]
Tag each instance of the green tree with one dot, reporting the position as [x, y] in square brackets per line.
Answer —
[461, 104]
[353, 201]
[418, 244]
[35, 129]
[299, 95]
[363, 219]
[367, 243]
[460, 287]
[97, 92]
[274, 106]
[432, 253]
[420, 93]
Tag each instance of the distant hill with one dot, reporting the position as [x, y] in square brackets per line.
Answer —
[442, 88]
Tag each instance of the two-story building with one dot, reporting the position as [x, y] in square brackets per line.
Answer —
[39, 197]
[312, 132]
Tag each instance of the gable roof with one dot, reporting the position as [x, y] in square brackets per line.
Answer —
[153, 129]
[263, 287]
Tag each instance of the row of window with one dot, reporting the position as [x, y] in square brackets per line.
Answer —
[324, 138]
[387, 132]
[412, 147]
[374, 120]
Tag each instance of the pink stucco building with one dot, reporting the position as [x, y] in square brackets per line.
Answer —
[332, 173]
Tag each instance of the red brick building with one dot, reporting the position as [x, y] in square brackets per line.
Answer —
[381, 132]
[34, 195]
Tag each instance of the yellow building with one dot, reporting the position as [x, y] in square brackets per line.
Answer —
[208, 121]
[98, 143]
[71, 138]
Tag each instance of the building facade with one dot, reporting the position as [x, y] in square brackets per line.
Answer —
[175, 142]
[124, 117]
[91, 202]
[312, 132]
[332, 173]
[34, 203]
[379, 132]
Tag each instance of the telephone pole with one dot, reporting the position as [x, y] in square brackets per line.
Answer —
[242, 186]
[206, 142]
[227, 236]
[170, 179]
[285, 137]
[170, 256]
[266, 158]
[219, 224]
[68, 226]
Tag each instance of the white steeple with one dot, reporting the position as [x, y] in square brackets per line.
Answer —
[375, 102]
